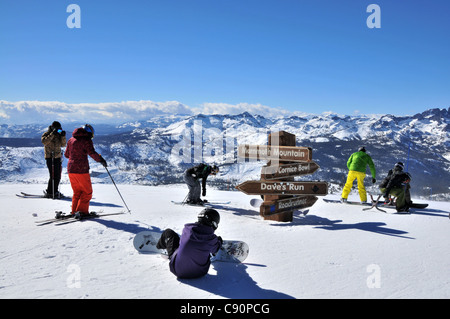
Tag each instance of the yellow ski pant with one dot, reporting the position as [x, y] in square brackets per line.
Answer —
[359, 176]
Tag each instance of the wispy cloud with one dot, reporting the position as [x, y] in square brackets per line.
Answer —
[27, 112]
[225, 108]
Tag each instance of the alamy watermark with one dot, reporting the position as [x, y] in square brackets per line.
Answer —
[74, 278]
[374, 19]
[374, 279]
[196, 144]
[74, 19]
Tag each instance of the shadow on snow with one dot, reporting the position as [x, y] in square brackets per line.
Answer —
[230, 280]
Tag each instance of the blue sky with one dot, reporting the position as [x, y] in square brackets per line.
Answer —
[310, 56]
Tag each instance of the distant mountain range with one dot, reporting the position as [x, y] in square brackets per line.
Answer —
[158, 150]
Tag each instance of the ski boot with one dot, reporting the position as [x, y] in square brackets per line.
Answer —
[59, 215]
[82, 215]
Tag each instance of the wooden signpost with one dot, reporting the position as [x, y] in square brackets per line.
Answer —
[288, 170]
[288, 204]
[282, 195]
[282, 153]
[263, 187]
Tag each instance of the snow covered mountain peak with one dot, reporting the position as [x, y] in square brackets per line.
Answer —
[159, 149]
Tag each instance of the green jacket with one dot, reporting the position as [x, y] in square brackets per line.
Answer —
[358, 162]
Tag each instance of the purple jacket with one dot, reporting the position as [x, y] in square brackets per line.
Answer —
[191, 259]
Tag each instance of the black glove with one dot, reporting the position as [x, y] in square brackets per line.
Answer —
[63, 133]
[204, 192]
[374, 180]
[103, 162]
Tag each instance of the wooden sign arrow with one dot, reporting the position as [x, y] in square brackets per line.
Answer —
[283, 188]
[288, 170]
[269, 152]
[288, 204]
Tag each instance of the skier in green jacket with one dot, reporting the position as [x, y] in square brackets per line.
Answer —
[356, 165]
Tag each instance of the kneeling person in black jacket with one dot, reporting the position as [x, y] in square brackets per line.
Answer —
[396, 183]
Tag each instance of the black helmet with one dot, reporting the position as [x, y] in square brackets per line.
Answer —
[56, 125]
[209, 217]
[90, 129]
[399, 166]
[362, 149]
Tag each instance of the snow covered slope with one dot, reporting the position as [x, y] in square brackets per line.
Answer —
[336, 251]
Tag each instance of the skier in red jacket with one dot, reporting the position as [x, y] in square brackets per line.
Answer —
[78, 148]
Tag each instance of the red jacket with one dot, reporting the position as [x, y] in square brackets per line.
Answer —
[78, 148]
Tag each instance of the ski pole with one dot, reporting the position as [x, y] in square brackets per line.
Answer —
[184, 200]
[53, 174]
[117, 188]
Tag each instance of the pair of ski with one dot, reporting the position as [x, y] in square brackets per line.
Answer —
[27, 195]
[376, 204]
[62, 219]
[204, 204]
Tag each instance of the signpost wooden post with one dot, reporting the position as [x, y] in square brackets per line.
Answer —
[282, 195]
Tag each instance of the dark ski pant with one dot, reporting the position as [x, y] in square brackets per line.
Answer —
[170, 241]
[403, 197]
[54, 169]
[194, 187]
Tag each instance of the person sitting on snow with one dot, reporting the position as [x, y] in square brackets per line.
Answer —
[190, 254]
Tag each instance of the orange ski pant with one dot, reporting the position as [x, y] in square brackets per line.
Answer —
[82, 192]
